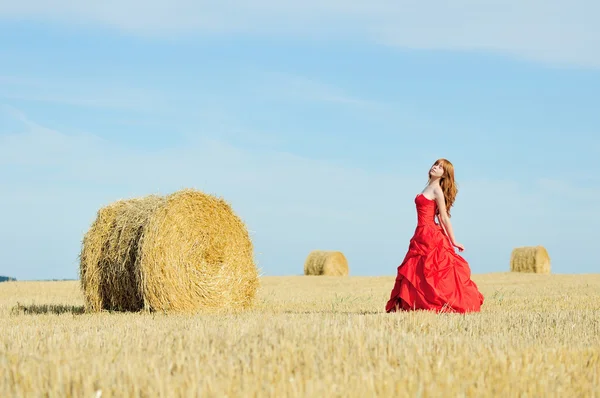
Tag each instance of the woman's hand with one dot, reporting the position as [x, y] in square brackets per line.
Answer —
[459, 247]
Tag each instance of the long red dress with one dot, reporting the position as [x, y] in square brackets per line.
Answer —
[433, 276]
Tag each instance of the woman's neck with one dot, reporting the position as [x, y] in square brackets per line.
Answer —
[434, 182]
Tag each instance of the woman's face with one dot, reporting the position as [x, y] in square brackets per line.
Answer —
[437, 170]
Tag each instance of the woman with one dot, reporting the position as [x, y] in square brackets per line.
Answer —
[432, 276]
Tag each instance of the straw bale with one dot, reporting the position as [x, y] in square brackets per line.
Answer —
[320, 262]
[91, 256]
[532, 259]
[185, 252]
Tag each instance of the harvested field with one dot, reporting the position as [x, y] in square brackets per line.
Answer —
[537, 335]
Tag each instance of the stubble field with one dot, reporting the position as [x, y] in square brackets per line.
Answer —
[537, 336]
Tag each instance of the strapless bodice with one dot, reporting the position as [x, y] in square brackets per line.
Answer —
[426, 209]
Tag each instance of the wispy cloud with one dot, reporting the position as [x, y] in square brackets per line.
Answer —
[78, 92]
[302, 88]
[55, 182]
[292, 203]
[551, 31]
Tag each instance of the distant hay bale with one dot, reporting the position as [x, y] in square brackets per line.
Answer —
[533, 259]
[185, 252]
[320, 262]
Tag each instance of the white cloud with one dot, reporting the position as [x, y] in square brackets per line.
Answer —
[552, 31]
[53, 184]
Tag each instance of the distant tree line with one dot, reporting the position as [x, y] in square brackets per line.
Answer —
[10, 278]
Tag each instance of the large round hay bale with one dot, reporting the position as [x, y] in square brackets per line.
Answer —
[184, 252]
[320, 262]
[533, 259]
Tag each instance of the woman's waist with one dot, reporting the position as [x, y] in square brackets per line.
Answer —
[427, 223]
[429, 234]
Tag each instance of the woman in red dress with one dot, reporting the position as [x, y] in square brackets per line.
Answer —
[433, 276]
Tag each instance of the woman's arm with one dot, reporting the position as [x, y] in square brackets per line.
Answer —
[445, 219]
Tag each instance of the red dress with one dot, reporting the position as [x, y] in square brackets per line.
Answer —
[433, 276]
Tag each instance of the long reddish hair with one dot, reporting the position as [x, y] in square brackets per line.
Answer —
[447, 183]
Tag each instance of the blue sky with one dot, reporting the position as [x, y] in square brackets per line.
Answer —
[316, 121]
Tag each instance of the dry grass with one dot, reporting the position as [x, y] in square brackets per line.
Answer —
[186, 252]
[537, 336]
[328, 263]
[530, 259]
